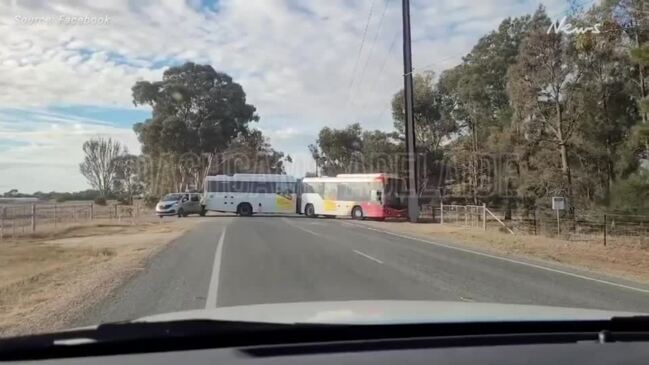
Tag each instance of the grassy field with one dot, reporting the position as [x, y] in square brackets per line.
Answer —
[46, 282]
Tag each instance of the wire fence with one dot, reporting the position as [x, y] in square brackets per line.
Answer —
[584, 226]
[465, 215]
[591, 227]
[24, 219]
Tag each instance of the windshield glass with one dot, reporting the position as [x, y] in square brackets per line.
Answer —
[451, 152]
[395, 193]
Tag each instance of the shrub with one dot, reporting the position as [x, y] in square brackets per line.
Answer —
[100, 200]
[124, 200]
[150, 201]
[632, 194]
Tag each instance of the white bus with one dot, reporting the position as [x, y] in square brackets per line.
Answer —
[360, 196]
[247, 194]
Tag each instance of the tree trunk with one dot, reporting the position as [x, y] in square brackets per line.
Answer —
[474, 162]
[565, 168]
[641, 77]
[610, 169]
[563, 151]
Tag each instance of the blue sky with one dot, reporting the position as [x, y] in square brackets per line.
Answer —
[61, 84]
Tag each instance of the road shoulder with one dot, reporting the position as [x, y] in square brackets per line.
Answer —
[45, 284]
[623, 264]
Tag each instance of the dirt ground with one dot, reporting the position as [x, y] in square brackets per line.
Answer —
[46, 282]
[624, 261]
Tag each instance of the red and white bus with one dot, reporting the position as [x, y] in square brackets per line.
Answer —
[360, 196]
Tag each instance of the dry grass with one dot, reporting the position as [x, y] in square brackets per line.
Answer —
[47, 229]
[47, 283]
[630, 261]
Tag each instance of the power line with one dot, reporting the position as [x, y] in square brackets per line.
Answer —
[360, 49]
[386, 3]
[380, 72]
[421, 69]
[432, 65]
[567, 9]
[385, 60]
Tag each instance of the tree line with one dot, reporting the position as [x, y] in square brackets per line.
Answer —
[200, 124]
[538, 108]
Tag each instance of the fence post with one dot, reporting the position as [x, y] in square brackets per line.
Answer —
[441, 212]
[115, 210]
[466, 215]
[484, 216]
[535, 230]
[92, 211]
[33, 218]
[605, 229]
[55, 215]
[2, 222]
[13, 226]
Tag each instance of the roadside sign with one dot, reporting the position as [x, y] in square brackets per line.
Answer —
[558, 203]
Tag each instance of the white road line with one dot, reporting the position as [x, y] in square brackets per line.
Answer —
[540, 267]
[301, 228]
[213, 289]
[368, 257]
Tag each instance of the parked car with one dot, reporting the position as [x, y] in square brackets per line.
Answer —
[180, 204]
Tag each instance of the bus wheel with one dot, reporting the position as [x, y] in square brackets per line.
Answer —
[309, 211]
[357, 213]
[244, 210]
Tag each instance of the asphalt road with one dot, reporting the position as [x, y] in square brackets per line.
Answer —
[229, 261]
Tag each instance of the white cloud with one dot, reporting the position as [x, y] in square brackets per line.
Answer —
[45, 155]
[294, 58]
[302, 163]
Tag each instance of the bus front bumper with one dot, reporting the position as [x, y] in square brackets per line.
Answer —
[395, 213]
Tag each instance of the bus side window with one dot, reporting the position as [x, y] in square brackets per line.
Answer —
[330, 191]
[266, 187]
[345, 192]
[280, 188]
[314, 188]
[307, 188]
[240, 186]
[222, 187]
[259, 187]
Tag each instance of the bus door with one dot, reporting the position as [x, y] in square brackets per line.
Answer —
[330, 198]
[348, 195]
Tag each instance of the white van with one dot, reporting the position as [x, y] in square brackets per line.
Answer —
[180, 204]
